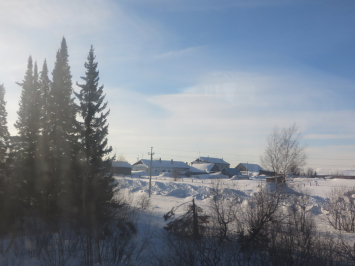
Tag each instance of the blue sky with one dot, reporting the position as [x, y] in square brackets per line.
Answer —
[200, 77]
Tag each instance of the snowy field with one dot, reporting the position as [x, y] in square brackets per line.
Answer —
[167, 193]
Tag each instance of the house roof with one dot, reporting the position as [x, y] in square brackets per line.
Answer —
[232, 171]
[121, 164]
[163, 163]
[252, 167]
[195, 170]
[212, 160]
[202, 167]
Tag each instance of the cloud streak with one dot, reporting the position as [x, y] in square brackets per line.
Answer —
[233, 113]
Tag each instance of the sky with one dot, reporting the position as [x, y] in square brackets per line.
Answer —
[197, 78]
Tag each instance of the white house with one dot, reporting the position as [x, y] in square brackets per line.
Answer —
[160, 166]
[220, 163]
[203, 168]
[249, 167]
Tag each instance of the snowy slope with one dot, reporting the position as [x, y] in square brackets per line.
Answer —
[167, 193]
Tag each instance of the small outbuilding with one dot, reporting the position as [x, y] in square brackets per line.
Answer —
[231, 172]
[203, 168]
[121, 168]
[266, 172]
[249, 167]
[275, 179]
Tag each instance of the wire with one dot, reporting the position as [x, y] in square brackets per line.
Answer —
[239, 155]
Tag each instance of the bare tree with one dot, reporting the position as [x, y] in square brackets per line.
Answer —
[121, 158]
[176, 174]
[310, 172]
[341, 209]
[224, 209]
[284, 150]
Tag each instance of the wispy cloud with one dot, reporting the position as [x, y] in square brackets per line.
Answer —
[47, 13]
[235, 113]
[177, 53]
[183, 5]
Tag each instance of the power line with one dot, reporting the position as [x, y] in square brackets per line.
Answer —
[209, 152]
[258, 156]
[238, 155]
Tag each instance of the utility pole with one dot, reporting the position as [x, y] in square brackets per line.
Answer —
[150, 175]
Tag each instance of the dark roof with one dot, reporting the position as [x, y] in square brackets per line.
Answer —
[163, 163]
[232, 171]
[251, 167]
[121, 164]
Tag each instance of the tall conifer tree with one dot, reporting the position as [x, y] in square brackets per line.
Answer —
[4, 133]
[28, 130]
[96, 183]
[6, 205]
[62, 139]
[45, 184]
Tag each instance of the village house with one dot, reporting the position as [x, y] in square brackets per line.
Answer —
[275, 179]
[220, 163]
[121, 168]
[231, 172]
[160, 166]
[248, 167]
[203, 168]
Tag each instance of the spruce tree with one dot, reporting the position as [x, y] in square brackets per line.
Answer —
[96, 180]
[44, 90]
[45, 184]
[6, 204]
[62, 139]
[4, 133]
[28, 130]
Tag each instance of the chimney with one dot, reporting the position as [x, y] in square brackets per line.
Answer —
[159, 160]
[172, 161]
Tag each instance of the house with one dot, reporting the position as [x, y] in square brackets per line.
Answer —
[220, 163]
[203, 168]
[231, 172]
[160, 166]
[275, 179]
[249, 167]
[266, 172]
[121, 168]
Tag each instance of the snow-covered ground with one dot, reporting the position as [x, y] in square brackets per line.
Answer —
[168, 193]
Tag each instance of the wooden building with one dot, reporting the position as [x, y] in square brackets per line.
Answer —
[275, 179]
[249, 167]
[121, 168]
[231, 172]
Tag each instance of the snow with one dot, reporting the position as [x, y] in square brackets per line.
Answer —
[201, 167]
[238, 177]
[213, 160]
[167, 193]
[336, 171]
